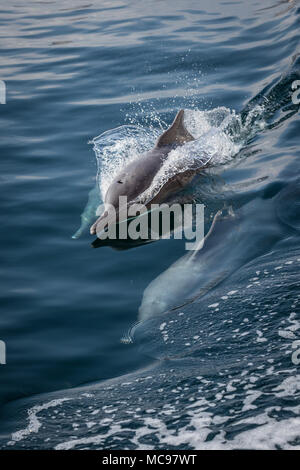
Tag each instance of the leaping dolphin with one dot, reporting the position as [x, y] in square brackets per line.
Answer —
[138, 175]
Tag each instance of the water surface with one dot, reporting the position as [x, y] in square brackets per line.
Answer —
[216, 372]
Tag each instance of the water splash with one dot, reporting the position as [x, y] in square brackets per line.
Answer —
[115, 148]
[219, 134]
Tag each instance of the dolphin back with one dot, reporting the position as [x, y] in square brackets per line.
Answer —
[176, 134]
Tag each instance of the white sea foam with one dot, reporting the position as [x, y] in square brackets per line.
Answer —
[259, 431]
[34, 423]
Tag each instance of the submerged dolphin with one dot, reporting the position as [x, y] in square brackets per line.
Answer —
[231, 242]
[138, 175]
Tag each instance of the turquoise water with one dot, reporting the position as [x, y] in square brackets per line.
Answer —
[215, 371]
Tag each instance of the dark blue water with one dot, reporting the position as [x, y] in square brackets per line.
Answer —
[216, 371]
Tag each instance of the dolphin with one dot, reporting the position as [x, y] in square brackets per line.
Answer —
[233, 240]
[137, 176]
[89, 211]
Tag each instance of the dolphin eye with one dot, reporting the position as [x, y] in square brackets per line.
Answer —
[120, 182]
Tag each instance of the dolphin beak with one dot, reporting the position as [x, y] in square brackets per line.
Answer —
[100, 224]
[108, 219]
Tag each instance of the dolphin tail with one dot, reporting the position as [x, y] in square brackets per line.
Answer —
[176, 134]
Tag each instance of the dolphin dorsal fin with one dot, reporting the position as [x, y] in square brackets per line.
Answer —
[176, 134]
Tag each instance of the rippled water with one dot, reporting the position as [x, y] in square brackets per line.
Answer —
[212, 364]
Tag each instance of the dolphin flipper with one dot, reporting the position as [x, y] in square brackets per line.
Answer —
[89, 212]
[176, 134]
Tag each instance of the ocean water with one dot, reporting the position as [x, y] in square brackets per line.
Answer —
[147, 346]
